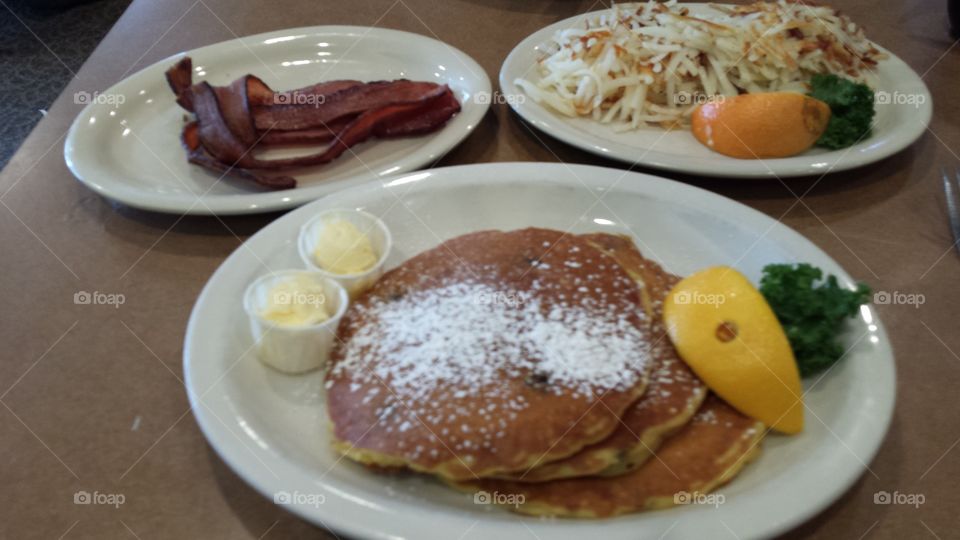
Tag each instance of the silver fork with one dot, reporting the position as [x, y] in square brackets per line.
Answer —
[951, 186]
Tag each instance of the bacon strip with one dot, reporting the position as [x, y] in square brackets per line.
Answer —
[259, 94]
[424, 120]
[215, 134]
[198, 155]
[305, 136]
[224, 145]
[351, 100]
[237, 99]
[235, 109]
[421, 120]
[230, 120]
[180, 79]
[358, 131]
[309, 95]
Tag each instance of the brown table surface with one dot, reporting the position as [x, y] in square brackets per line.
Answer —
[92, 395]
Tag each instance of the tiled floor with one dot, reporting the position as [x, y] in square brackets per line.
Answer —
[39, 52]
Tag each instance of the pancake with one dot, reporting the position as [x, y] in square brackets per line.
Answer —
[490, 353]
[673, 396]
[707, 453]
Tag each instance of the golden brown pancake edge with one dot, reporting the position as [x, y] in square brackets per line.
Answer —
[707, 453]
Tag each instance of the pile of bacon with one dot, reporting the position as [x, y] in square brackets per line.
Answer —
[233, 121]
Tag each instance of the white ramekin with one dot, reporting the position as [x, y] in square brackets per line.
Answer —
[294, 349]
[368, 224]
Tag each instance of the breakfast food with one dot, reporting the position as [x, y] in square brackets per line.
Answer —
[534, 363]
[293, 317]
[343, 249]
[568, 374]
[233, 122]
[673, 395]
[654, 62]
[717, 314]
[492, 353]
[706, 453]
[737, 73]
[347, 245]
[765, 125]
[296, 301]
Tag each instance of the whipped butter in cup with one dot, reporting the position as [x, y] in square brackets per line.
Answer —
[348, 246]
[294, 316]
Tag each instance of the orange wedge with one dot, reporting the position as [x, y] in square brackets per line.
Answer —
[726, 332]
[765, 125]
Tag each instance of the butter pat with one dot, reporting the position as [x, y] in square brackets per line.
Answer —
[342, 249]
[296, 301]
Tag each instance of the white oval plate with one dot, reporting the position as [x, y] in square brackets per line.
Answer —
[130, 151]
[272, 429]
[897, 125]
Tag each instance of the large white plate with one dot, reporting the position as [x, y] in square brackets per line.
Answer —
[899, 122]
[272, 429]
[131, 151]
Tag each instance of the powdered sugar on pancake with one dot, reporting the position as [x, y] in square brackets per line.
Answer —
[452, 336]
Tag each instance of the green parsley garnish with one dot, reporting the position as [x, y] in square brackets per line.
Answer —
[811, 310]
[851, 110]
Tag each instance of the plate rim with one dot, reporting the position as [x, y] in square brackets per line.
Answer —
[269, 201]
[659, 161]
[219, 437]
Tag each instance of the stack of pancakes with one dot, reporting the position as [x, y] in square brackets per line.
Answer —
[531, 363]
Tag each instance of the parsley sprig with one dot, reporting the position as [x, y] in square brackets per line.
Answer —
[851, 108]
[811, 310]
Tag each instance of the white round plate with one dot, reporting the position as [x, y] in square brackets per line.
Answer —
[125, 144]
[897, 124]
[272, 429]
